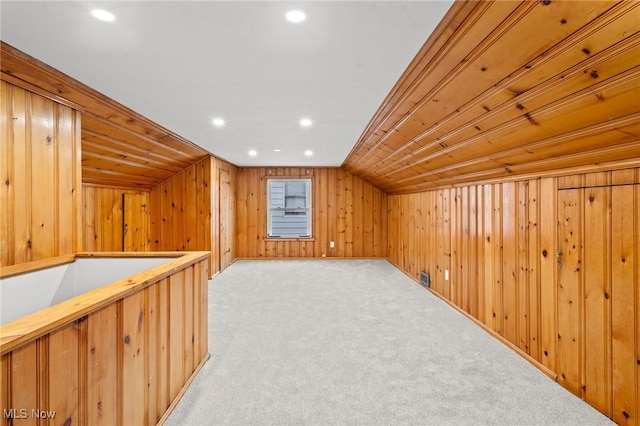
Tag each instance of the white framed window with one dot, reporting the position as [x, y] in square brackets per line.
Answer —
[289, 208]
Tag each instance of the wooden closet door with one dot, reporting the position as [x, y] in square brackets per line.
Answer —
[625, 277]
[598, 297]
[570, 290]
[226, 236]
[136, 220]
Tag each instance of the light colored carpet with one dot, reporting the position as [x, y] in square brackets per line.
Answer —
[336, 342]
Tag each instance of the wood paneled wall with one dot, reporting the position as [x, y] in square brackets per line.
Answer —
[125, 363]
[115, 219]
[40, 169]
[552, 265]
[185, 212]
[346, 210]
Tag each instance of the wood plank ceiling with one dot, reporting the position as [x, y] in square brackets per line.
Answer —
[120, 147]
[500, 89]
[510, 88]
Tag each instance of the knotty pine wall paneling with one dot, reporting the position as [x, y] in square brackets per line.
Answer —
[185, 212]
[40, 168]
[183, 196]
[625, 286]
[570, 274]
[115, 219]
[225, 219]
[346, 210]
[549, 265]
[223, 214]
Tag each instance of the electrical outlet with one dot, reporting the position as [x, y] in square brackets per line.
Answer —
[446, 275]
[332, 244]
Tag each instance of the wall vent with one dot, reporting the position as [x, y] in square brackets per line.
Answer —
[425, 279]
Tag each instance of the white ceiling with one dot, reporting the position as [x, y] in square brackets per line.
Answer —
[181, 63]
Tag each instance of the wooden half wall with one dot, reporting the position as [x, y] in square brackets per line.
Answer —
[549, 265]
[122, 354]
[40, 172]
[346, 210]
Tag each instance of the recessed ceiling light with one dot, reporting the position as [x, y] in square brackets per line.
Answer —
[253, 153]
[218, 122]
[295, 16]
[305, 122]
[308, 153]
[277, 150]
[103, 15]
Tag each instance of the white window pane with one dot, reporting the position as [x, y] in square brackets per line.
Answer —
[289, 207]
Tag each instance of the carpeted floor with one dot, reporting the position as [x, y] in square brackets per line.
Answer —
[336, 342]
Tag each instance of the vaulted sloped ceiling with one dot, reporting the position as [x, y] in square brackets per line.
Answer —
[500, 89]
[510, 88]
[119, 146]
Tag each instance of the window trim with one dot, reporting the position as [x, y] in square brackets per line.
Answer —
[309, 198]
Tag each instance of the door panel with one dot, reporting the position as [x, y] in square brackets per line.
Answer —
[569, 258]
[597, 281]
[598, 297]
[623, 281]
[224, 189]
[135, 222]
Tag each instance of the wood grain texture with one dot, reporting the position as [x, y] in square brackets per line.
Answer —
[637, 287]
[498, 267]
[120, 147]
[163, 365]
[533, 258]
[346, 210]
[26, 329]
[176, 333]
[556, 101]
[597, 294]
[115, 219]
[569, 259]
[226, 218]
[624, 281]
[188, 337]
[136, 222]
[107, 367]
[63, 365]
[133, 345]
[40, 199]
[185, 212]
[5, 388]
[548, 271]
[102, 366]
[152, 347]
[551, 254]
[24, 379]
